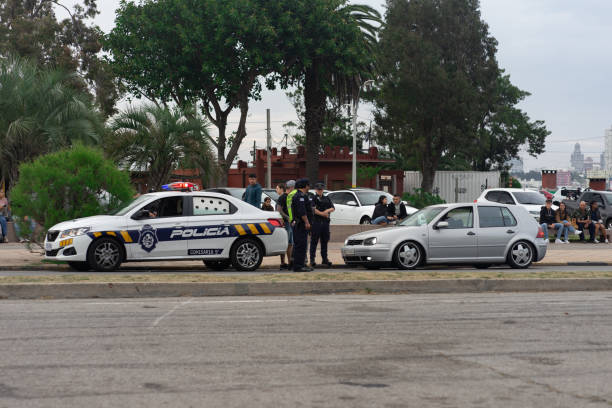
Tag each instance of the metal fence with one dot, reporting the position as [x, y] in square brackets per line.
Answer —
[455, 186]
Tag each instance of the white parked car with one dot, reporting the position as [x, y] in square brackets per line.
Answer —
[217, 228]
[531, 201]
[357, 205]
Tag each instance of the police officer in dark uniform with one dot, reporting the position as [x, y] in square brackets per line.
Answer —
[323, 207]
[301, 208]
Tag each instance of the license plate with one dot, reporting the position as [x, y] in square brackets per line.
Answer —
[48, 246]
[349, 251]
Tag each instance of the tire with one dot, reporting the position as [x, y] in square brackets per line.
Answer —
[218, 265]
[408, 255]
[365, 220]
[482, 266]
[79, 266]
[105, 255]
[246, 255]
[520, 255]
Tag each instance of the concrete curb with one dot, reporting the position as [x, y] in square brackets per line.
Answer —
[133, 267]
[144, 290]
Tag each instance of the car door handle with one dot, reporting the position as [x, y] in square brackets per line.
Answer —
[510, 231]
[471, 233]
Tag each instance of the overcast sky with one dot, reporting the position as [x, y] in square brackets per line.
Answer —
[555, 49]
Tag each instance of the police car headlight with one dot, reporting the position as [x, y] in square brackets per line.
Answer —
[369, 241]
[75, 232]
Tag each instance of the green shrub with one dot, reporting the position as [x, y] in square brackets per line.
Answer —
[69, 184]
[420, 198]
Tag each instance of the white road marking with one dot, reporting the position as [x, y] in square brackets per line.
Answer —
[169, 312]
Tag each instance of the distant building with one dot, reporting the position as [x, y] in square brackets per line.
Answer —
[588, 164]
[564, 178]
[607, 160]
[516, 165]
[577, 160]
[602, 161]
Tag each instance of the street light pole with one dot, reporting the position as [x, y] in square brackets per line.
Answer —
[355, 107]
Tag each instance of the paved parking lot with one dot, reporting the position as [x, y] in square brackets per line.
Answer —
[488, 350]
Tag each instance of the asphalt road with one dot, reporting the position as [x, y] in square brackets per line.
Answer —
[487, 350]
[263, 271]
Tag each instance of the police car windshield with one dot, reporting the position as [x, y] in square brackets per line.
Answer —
[131, 205]
[422, 217]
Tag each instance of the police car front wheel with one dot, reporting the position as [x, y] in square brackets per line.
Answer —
[105, 254]
[247, 254]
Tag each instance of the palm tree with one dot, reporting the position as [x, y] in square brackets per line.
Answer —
[40, 112]
[160, 140]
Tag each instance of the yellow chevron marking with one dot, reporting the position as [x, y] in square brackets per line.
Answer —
[97, 234]
[265, 228]
[65, 242]
[126, 236]
[112, 233]
[240, 230]
[253, 229]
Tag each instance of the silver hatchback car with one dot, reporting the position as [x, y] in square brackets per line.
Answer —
[481, 234]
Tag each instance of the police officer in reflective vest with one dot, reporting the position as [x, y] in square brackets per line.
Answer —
[301, 209]
[323, 207]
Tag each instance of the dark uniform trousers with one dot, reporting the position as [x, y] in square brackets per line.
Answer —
[320, 231]
[300, 244]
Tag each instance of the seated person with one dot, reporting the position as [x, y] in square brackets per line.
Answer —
[583, 220]
[381, 213]
[267, 204]
[548, 219]
[564, 224]
[397, 209]
[598, 223]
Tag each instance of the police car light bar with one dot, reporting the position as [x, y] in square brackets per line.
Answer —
[180, 186]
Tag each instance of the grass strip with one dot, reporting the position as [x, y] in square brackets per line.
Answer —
[296, 277]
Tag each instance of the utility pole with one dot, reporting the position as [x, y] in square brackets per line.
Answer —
[354, 172]
[269, 153]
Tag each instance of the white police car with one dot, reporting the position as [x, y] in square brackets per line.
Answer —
[214, 227]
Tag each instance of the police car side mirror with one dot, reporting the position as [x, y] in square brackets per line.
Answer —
[353, 203]
[140, 215]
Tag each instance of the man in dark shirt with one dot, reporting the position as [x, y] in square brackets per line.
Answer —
[323, 207]
[548, 218]
[302, 218]
[396, 209]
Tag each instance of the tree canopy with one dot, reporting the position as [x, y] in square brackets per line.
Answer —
[31, 29]
[442, 99]
[209, 53]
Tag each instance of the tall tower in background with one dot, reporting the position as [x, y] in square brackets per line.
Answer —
[577, 160]
[608, 150]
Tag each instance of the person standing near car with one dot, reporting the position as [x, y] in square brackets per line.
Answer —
[252, 194]
[302, 217]
[281, 207]
[323, 207]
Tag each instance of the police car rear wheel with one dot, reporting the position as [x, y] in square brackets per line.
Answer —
[104, 255]
[218, 265]
[246, 255]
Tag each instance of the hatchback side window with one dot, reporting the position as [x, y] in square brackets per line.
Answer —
[459, 218]
[599, 199]
[509, 220]
[588, 197]
[493, 196]
[491, 217]
[505, 198]
[212, 206]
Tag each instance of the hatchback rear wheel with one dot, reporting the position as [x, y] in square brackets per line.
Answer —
[520, 255]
